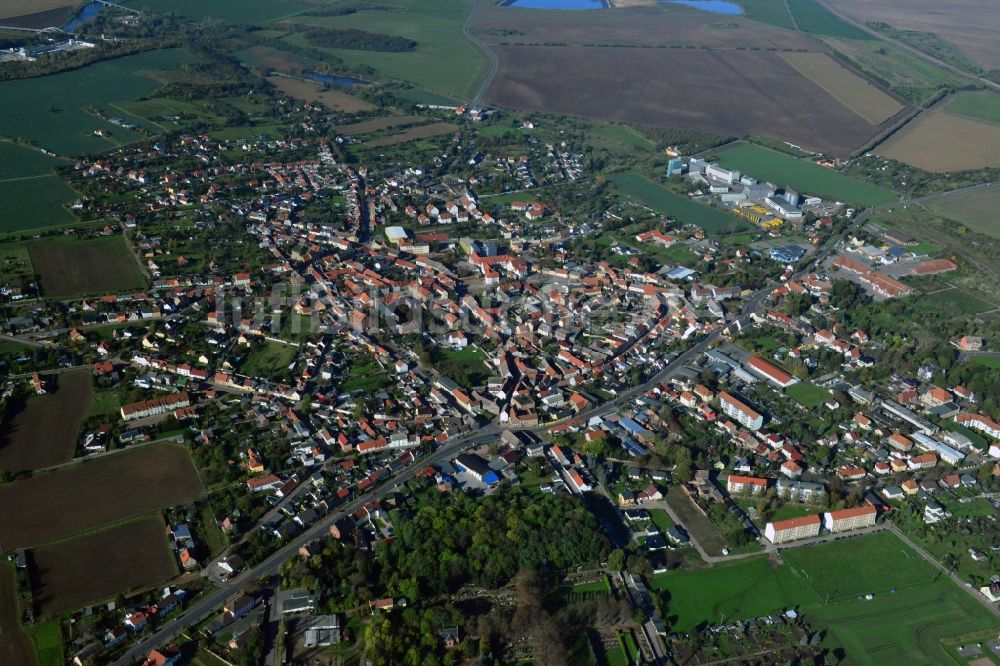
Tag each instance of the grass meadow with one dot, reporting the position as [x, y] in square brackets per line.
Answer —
[665, 202]
[802, 175]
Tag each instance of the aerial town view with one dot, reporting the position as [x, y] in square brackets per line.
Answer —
[499, 332]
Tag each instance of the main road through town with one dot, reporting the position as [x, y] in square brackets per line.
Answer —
[211, 602]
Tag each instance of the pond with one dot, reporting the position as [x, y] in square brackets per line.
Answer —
[334, 80]
[558, 4]
[714, 6]
[85, 14]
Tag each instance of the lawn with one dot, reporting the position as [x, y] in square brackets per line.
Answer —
[467, 364]
[803, 175]
[793, 510]
[982, 105]
[808, 394]
[50, 110]
[72, 267]
[270, 361]
[598, 586]
[907, 627]
[367, 377]
[665, 202]
[661, 519]
[883, 563]
[105, 402]
[48, 643]
[154, 110]
[977, 440]
[744, 589]
[444, 62]
[826, 576]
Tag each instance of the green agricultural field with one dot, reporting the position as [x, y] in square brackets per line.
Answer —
[234, 11]
[444, 62]
[883, 563]
[35, 202]
[982, 105]
[666, 202]
[18, 161]
[50, 111]
[808, 394]
[774, 12]
[802, 175]
[812, 17]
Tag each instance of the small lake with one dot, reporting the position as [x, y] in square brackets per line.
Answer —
[558, 4]
[85, 14]
[334, 80]
[713, 6]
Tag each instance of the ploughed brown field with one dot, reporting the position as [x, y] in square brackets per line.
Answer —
[56, 505]
[970, 26]
[42, 430]
[77, 572]
[733, 93]
[35, 13]
[15, 645]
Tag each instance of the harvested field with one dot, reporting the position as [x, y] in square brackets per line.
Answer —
[76, 572]
[377, 124]
[314, 92]
[59, 504]
[31, 439]
[724, 92]
[938, 141]
[695, 522]
[71, 267]
[845, 86]
[968, 25]
[412, 134]
[666, 25]
[976, 210]
[15, 646]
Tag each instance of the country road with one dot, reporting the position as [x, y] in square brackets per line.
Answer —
[494, 62]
